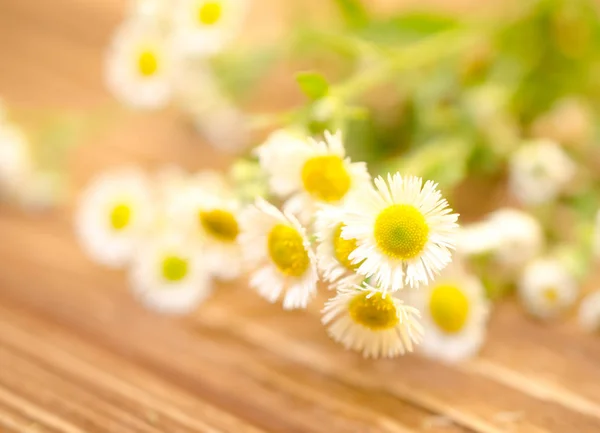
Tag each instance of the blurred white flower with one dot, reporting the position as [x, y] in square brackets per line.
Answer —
[208, 211]
[333, 250]
[539, 171]
[205, 27]
[276, 248]
[156, 10]
[477, 238]
[138, 65]
[519, 235]
[368, 320]
[455, 312]
[547, 289]
[589, 312]
[168, 274]
[15, 160]
[314, 172]
[404, 229]
[115, 213]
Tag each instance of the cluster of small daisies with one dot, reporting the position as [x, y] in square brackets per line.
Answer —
[547, 271]
[383, 247]
[160, 53]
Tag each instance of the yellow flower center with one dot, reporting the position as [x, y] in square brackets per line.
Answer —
[343, 247]
[147, 63]
[120, 216]
[401, 231]
[209, 13]
[220, 224]
[286, 248]
[449, 308]
[373, 311]
[550, 294]
[174, 268]
[326, 178]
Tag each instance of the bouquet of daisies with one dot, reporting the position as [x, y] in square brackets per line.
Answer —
[499, 113]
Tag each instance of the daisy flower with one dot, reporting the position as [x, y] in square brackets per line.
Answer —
[15, 159]
[206, 26]
[115, 212]
[520, 237]
[168, 274]
[207, 209]
[371, 321]
[589, 312]
[138, 67]
[547, 289]
[314, 172]
[404, 231]
[333, 250]
[455, 312]
[539, 171]
[275, 244]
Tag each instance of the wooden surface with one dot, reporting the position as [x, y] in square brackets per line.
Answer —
[78, 355]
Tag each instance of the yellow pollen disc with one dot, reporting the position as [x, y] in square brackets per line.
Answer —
[174, 268]
[120, 216]
[550, 294]
[219, 224]
[147, 63]
[401, 231]
[449, 308]
[342, 248]
[286, 249]
[209, 13]
[373, 311]
[326, 178]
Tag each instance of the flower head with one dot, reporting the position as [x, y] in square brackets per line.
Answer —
[138, 66]
[207, 210]
[455, 313]
[115, 213]
[404, 231]
[547, 289]
[333, 251]
[275, 244]
[371, 321]
[539, 171]
[206, 26]
[313, 172]
[169, 274]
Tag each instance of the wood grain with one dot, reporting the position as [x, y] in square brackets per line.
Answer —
[79, 355]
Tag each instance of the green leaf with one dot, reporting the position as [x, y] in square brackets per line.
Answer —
[353, 11]
[407, 27]
[313, 84]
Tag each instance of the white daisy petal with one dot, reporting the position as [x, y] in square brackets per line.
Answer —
[539, 171]
[208, 211]
[333, 251]
[455, 312]
[275, 246]
[404, 231]
[115, 213]
[168, 275]
[138, 65]
[205, 27]
[547, 289]
[313, 172]
[367, 320]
